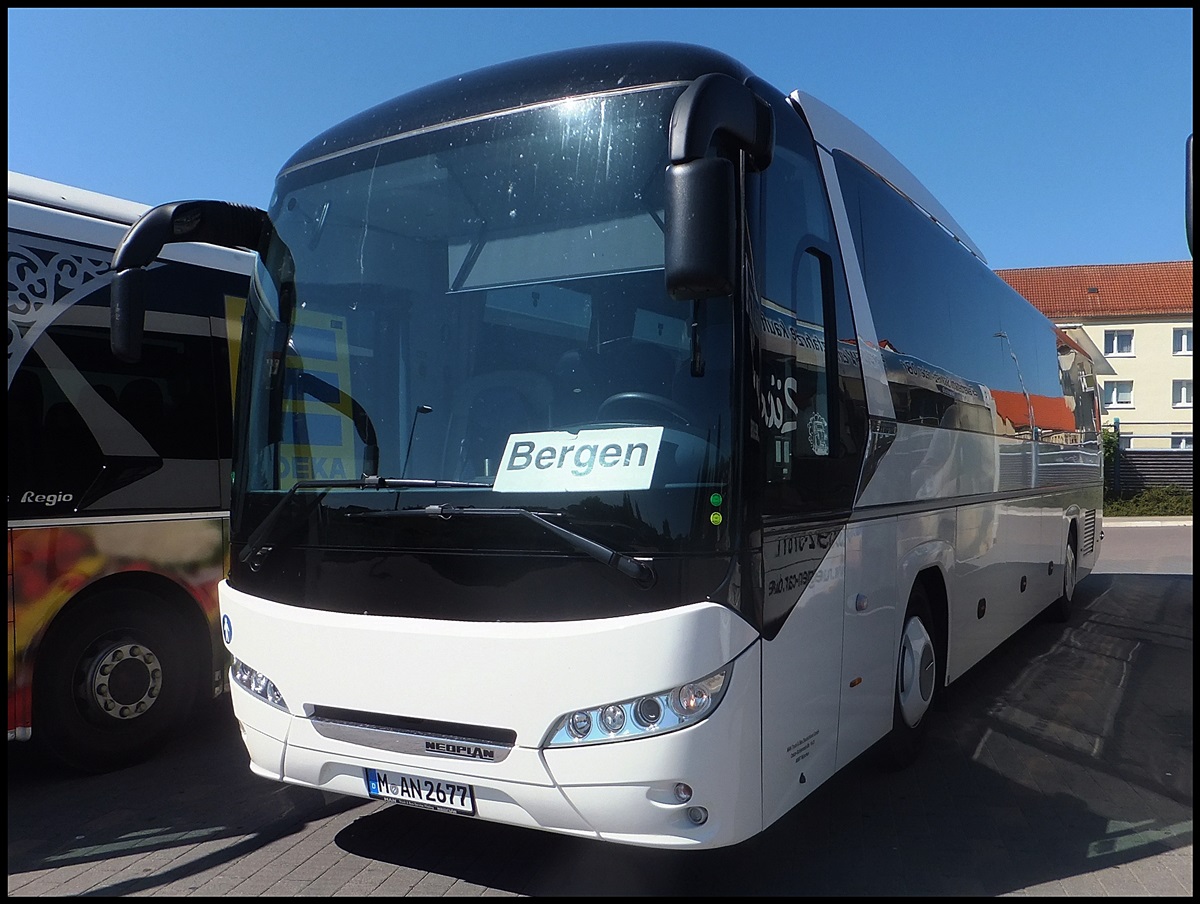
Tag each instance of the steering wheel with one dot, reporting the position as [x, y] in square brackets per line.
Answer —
[661, 402]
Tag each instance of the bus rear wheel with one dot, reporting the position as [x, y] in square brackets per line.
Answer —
[111, 682]
[1060, 610]
[917, 672]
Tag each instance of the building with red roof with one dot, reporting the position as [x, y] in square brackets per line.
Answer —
[1139, 317]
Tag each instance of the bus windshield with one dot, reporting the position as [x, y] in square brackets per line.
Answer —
[476, 313]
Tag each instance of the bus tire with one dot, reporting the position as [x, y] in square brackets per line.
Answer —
[112, 681]
[916, 686]
[1060, 610]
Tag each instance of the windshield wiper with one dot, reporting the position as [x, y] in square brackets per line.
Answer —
[255, 542]
[639, 572]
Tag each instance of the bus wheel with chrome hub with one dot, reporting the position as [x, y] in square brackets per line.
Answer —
[125, 678]
[114, 675]
[917, 680]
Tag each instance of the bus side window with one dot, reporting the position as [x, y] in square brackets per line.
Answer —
[792, 219]
[141, 403]
[809, 379]
[70, 448]
[25, 412]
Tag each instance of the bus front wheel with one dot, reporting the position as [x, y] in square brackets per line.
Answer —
[112, 681]
[916, 684]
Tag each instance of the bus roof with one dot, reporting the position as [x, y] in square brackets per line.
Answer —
[76, 200]
[583, 70]
[521, 82]
[833, 131]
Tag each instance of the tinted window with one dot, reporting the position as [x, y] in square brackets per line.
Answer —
[948, 325]
[813, 423]
[89, 433]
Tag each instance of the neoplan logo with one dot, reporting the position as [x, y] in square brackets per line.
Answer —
[471, 751]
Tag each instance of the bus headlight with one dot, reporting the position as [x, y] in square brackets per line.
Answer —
[656, 713]
[256, 683]
[691, 699]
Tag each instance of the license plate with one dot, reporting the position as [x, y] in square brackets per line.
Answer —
[418, 791]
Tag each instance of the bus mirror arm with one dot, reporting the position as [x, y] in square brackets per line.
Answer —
[215, 222]
[715, 112]
[718, 110]
[127, 314]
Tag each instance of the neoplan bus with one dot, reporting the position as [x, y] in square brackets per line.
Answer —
[118, 481]
[622, 447]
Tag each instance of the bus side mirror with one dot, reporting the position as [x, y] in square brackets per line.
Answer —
[715, 118]
[701, 228]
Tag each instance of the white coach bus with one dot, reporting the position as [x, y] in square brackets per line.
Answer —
[622, 447]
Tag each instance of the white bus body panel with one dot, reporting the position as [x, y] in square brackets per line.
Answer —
[801, 674]
[926, 463]
[520, 676]
[874, 610]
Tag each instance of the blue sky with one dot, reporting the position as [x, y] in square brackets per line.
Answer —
[1054, 137]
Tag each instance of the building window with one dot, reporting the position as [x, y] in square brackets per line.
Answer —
[1181, 393]
[1183, 341]
[1118, 342]
[1181, 441]
[1118, 394]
